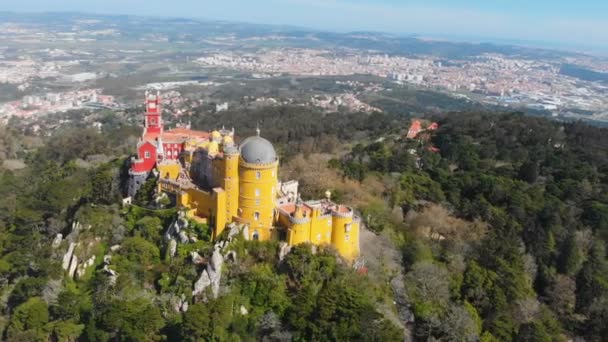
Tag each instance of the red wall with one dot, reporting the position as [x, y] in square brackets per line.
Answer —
[172, 151]
[146, 164]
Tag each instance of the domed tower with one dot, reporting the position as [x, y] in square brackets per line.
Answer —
[257, 184]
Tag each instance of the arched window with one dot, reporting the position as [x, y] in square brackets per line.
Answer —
[256, 235]
[257, 192]
[256, 216]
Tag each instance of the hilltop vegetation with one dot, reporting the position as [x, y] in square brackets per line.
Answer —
[539, 273]
[502, 236]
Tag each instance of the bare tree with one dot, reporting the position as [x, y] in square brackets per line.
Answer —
[562, 295]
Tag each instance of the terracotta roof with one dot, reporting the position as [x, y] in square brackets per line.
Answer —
[188, 133]
[290, 208]
[176, 135]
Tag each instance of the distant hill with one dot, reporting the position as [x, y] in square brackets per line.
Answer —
[133, 27]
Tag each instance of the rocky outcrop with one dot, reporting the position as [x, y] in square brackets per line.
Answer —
[82, 268]
[203, 282]
[284, 249]
[211, 276]
[73, 266]
[67, 257]
[177, 227]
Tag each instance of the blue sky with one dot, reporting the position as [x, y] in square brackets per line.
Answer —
[581, 23]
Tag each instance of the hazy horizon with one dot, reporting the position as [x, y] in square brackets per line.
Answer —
[578, 27]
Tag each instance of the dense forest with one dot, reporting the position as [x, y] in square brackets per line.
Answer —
[501, 235]
[539, 272]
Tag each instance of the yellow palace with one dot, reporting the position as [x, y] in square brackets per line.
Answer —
[219, 182]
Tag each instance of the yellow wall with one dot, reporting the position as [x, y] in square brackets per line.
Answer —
[257, 192]
[321, 228]
[231, 184]
[345, 240]
[298, 233]
[170, 169]
[209, 204]
[219, 212]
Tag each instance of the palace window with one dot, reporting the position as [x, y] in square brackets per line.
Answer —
[147, 154]
[257, 192]
[256, 216]
[258, 174]
[256, 235]
[347, 228]
[152, 105]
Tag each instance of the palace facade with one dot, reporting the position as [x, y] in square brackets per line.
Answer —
[217, 181]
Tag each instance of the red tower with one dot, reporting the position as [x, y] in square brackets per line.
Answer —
[153, 121]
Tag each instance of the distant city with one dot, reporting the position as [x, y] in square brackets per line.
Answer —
[84, 60]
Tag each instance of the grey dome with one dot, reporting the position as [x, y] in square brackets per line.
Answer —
[257, 150]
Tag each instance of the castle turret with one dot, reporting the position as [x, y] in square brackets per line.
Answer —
[257, 185]
[345, 232]
[231, 180]
[153, 120]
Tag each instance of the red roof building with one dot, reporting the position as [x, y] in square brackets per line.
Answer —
[415, 128]
[156, 144]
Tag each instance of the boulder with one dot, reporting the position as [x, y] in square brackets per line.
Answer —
[183, 238]
[57, 240]
[201, 284]
[172, 248]
[234, 231]
[243, 310]
[197, 259]
[284, 249]
[113, 275]
[115, 248]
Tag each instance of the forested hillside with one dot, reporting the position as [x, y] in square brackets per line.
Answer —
[539, 272]
[502, 236]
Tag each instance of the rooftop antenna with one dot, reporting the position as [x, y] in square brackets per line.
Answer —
[257, 129]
